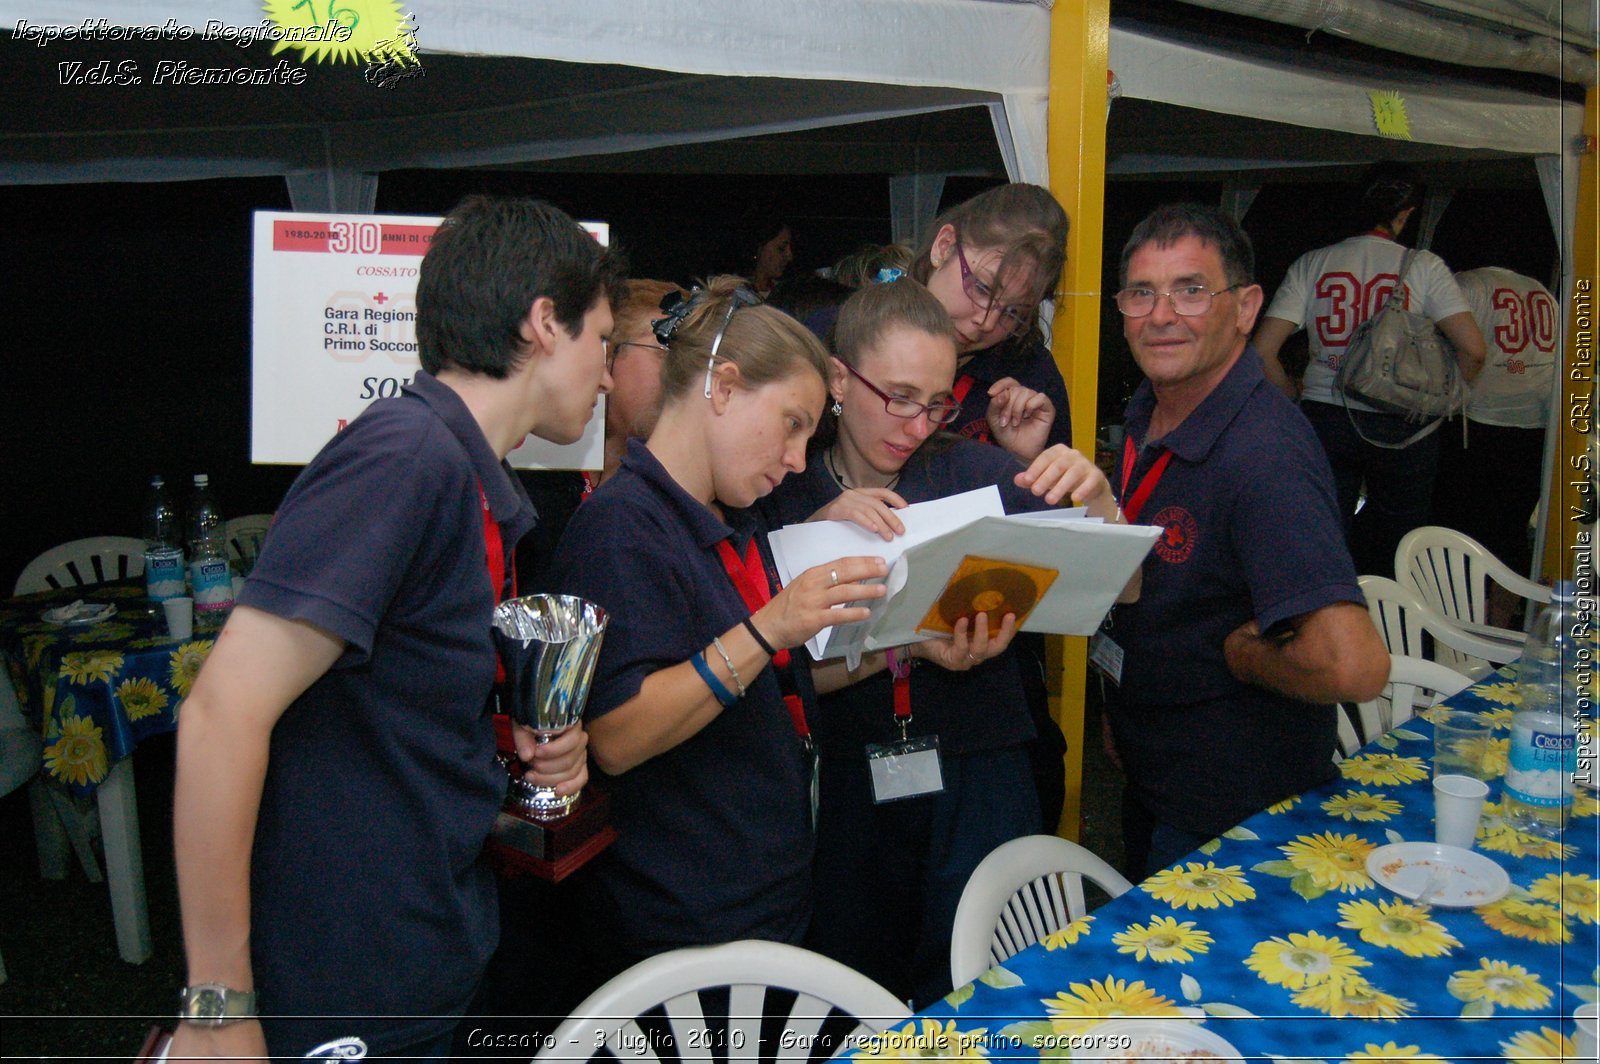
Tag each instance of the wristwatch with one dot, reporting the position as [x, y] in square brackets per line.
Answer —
[215, 1005]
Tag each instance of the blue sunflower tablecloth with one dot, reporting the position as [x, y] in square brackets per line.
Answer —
[1275, 937]
[97, 691]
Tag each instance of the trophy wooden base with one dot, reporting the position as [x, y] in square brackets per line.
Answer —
[551, 849]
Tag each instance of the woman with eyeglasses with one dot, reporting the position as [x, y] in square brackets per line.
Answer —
[634, 359]
[698, 714]
[888, 876]
[990, 261]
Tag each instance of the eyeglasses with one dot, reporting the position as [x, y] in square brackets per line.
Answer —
[1191, 300]
[1014, 317]
[614, 348]
[940, 413]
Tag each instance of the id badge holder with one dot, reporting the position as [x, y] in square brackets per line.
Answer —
[1105, 655]
[907, 768]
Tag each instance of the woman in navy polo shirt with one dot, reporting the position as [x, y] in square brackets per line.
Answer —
[990, 261]
[887, 877]
[697, 716]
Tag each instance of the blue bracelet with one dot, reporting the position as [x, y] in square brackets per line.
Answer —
[718, 688]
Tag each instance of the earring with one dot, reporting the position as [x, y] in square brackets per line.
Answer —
[836, 409]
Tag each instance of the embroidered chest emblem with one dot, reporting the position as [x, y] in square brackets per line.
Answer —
[1179, 533]
[977, 430]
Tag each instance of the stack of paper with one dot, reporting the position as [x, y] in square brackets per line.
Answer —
[1058, 570]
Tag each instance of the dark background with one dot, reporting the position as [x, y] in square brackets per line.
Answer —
[127, 314]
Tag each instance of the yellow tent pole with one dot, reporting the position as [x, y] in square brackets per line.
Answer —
[1080, 35]
[1565, 543]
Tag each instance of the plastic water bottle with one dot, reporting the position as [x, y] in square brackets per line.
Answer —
[1537, 796]
[209, 573]
[163, 557]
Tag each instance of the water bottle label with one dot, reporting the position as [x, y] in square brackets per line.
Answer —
[213, 584]
[163, 573]
[1541, 767]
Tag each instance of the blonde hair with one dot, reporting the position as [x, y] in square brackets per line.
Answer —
[877, 308]
[861, 266]
[766, 344]
[639, 304]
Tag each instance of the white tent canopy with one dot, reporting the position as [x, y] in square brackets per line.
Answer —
[512, 83]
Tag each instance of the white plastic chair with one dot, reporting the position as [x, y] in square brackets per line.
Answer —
[691, 1005]
[1402, 618]
[82, 562]
[1450, 571]
[244, 536]
[1414, 683]
[1023, 891]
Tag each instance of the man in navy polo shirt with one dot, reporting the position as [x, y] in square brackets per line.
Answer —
[336, 773]
[1250, 625]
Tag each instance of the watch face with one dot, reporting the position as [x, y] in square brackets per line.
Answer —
[206, 1004]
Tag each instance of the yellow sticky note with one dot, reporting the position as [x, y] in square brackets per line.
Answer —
[1389, 115]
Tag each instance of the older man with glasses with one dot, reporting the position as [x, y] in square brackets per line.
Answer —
[1250, 625]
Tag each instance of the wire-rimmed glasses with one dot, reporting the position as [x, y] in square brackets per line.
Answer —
[1190, 300]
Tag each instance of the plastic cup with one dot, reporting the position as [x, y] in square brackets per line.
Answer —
[1460, 740]
[1584, 1036]
[180, 616]
[1457, 806]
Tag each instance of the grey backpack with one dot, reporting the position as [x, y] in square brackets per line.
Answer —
[1398, 362]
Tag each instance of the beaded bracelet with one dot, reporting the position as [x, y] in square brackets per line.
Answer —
[718, 688]
[716, 641]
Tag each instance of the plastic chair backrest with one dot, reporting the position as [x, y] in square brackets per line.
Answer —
[1402, 619]
[742, 1001]
[1414, 683]
[244, 536]
[1450, 571]
[1025, 890]
[83, 562]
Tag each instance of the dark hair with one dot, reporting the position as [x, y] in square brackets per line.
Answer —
[1171, 222]
[1385, 189]
[877, 308]
[1024, 222]
[491, 258]
[766, 344]
[812, 301]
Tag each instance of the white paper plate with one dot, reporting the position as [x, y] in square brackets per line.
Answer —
[1469, 879]
[1152, 1039]
[80, 612]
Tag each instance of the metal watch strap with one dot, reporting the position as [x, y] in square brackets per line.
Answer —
[215, 1005]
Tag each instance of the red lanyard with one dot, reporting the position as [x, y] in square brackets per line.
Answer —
[495, 555]
[1147, 483]
[589, 484]
[900, 671]
[749, 576]
[964, 385]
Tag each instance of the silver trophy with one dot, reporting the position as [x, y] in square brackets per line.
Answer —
[549, 644]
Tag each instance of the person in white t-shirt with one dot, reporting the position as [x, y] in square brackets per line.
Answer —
[1510, 406]
[1329, 292]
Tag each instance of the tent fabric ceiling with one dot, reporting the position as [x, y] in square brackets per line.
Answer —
[574, 82]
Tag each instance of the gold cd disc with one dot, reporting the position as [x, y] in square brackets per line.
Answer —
[997, 592]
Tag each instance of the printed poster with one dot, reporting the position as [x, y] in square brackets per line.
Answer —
[334, 315]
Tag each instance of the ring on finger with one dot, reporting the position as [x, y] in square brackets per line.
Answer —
[833, 576]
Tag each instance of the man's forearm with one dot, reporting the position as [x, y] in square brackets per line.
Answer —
[1332, 655]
